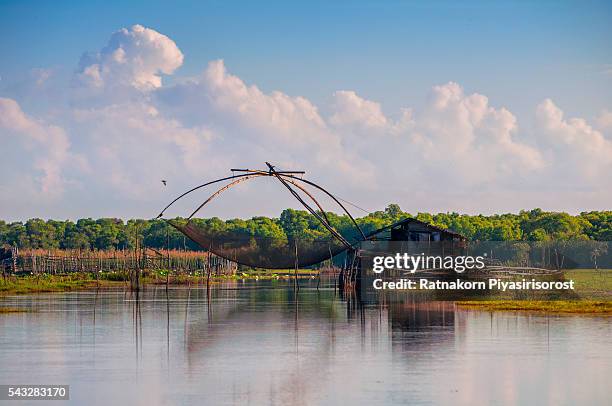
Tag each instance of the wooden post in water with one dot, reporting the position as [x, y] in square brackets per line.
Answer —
[208, 266]
[168, 245]
[135, 282]
[99, 268]
[168, 255]
[14, 253]
[296, 285]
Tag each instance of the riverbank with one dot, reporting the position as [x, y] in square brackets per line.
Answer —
[592, 287]
[26, 285]
[548, 306]
[22, 285]
[5, 310]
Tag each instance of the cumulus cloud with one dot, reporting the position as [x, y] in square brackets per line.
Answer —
[133, 58]
[46, 146]
[265, 126]
[217, 91]
[352, 110]
[604, 121]
[278, 116]
[456, 138]
[580, 152]
[454, 151]
[463, 135]
[131, 147]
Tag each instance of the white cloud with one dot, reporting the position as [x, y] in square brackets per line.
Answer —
[463, 136]
[130, 143]
[351, 110]
[43, 150]
[134, 58]
[132, 147]
[604, 121]
[257, 126]
[580, 152]
[456, 139]
[276, 112]
[455, 151]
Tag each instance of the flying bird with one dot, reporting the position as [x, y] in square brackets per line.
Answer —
[164, 182]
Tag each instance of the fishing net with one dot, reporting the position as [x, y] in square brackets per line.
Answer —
[264, 251]
[261, 252]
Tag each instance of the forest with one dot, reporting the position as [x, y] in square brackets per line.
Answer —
[113, 233]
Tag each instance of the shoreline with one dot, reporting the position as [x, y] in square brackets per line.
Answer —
[575, 307]
[23, 285]
[594, 285]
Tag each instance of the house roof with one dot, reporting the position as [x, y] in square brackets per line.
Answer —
[413, 220]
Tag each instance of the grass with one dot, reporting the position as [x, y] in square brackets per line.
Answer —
[5, 310]
[49, 283]
[591, 283]
[549, 306]
[86, 281]
[593, 288]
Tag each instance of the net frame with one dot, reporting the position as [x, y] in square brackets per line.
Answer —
[264, 252]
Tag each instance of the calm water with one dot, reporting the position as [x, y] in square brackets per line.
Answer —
[257, 343]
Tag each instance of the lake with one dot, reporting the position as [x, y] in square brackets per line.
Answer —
[258, 342]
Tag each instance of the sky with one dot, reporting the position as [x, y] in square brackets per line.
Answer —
[474, 107]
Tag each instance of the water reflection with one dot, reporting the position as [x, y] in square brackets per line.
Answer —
[264, 343]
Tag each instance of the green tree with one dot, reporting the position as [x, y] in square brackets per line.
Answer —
[107, 233]
[41, 234]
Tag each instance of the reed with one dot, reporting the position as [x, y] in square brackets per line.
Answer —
[57, 261]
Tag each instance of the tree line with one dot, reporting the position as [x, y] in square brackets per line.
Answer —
[113, 233]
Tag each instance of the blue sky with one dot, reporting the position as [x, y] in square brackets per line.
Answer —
[534, 76]
[515, 52]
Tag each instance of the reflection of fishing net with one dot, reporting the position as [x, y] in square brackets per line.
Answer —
[261, 252]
